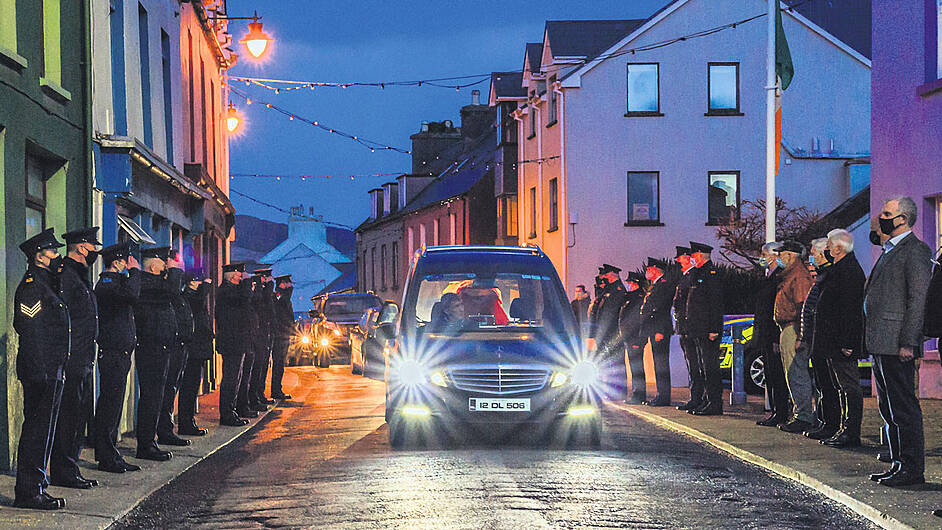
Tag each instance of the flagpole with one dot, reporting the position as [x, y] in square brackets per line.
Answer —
[770, 87]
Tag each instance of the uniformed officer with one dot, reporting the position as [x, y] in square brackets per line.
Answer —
[656, 326]
[263, 342]
[199, 350]
[232, 338]
[41, 321]
[117, 291]
[604, 335]
[79, 296]
[247, 406]
[704, 318]
[178, 352]
[680, 327]
[283, 327]
[156, 337]
[629, 324]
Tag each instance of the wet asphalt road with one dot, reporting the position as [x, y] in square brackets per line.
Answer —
[324, 461]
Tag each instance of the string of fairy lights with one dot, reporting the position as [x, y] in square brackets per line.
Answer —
[286, 85]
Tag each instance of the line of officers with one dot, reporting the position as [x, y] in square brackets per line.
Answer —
[624, 318]
[154, 311]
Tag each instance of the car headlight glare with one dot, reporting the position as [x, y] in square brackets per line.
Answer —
[585, 374]
[305, 339]
[411, 373]
[337, 332]
[437, 378]
[559, 379]
[325, 342]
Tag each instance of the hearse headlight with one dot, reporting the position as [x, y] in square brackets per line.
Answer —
[585, 374]
[558, 379]
[411, 372]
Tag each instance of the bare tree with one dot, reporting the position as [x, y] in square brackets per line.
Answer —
[741, 239]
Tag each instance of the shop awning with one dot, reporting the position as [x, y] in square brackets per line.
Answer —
[138, 234]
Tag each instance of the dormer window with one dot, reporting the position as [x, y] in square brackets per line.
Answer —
[551, 97]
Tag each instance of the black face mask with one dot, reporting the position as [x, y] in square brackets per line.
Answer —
[91, 257]
[828, 256]
[55, 264]
[887, 226]
[875, 238]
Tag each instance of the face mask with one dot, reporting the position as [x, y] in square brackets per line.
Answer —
[91, 257]
[875, 238]
[887, 226]
[764, 263]
[778, 261]
[828, 256]
[811, 261]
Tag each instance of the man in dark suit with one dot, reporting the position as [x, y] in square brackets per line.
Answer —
[656, 327]
[233, 337]
[680, 318]
[580, 306]
[283, 329]
[705, 327]
[199, 350]
[766, 336]
[894, 302]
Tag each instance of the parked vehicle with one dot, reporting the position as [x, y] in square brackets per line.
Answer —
[301, 348]
[460, 359]
[334, 317]
[368, 339]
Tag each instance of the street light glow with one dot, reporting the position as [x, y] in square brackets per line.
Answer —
[232, 119]
[256, 40]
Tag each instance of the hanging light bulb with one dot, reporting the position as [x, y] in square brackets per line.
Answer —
[256, 40]
[232, 118]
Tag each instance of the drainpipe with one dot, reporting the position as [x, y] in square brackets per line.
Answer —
[539, 175]
[564, 188]
[87, 100]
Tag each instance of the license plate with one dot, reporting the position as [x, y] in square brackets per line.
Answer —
[477, 404]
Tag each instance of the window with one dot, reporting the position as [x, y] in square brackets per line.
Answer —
[411, 241]
[723, 88]
[118, 90]
[168, 95]
[644, 91]
[382, 267]
[395, 264]
[422, 238]
[453, 228]
[212, 128]
[51, 80]
[532, 213]
[436, 232]
[203, 112]
[553, 205]
[507, 125]
[644, 199]
[190, 96]
[144, 49]
[723, 197]
[373, 269]
[36, 176]
[552, 98]
[531, 110]
[363, 283]
[8, 33]
[510, 215]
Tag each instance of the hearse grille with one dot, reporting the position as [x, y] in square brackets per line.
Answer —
[499, 380]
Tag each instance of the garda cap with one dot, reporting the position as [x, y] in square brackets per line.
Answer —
[41, 241]
[606, 268]
[156, 252]
[82, 235]
[233, 267]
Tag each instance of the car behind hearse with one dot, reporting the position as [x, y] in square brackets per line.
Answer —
[486, 342]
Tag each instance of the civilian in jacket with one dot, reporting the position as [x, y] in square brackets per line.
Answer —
[704, 324]
[629, 325]
[894, 305]
[41, 321]
[766, 335]
[603, 332]
[656, 327]
[199, 350]
[117, 291]
[580, 307]
[233, 337]
[178, 353]
[687, 345]
[838, 328]
[76, 407]
[796, 282]
[283, 330]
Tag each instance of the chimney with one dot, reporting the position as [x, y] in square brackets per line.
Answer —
[432, 139]
[475, 97]
[390, 197]
[476, 119]
[409, 186]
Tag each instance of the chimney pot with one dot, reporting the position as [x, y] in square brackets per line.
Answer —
[475, 97]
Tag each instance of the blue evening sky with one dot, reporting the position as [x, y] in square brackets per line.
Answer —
[374, 40]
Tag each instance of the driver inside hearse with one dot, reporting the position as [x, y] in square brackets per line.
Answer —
[467, 302]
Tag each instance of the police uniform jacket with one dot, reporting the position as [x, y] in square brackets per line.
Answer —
[153, 314]
[704, 313]
[181, 308]
[233, 332]
[264, 307]
[117, 294]
[201, 344]
[629, 317]
[680, 302]
[656, 308]
[283, 315]
[604, 326]
[79, 296]
[41, 319]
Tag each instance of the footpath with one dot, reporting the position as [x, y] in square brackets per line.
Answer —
[117, 494]
[839, 474]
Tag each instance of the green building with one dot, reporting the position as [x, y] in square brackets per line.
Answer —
[45, 153]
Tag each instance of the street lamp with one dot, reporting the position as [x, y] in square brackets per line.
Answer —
[256, 41]
[232, 118]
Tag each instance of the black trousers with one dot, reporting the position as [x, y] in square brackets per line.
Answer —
[896, 396]
[829, 401]
[689, 347]
[232, 365]
[113, 366]
[189, 389]
[245, 397]
[614, 372]
[708, 363]
[260, 368]
[70, 426]
[661, 354]
[152, 365]
[634, 349]
[40, 410]
[278, 354]
[775, 382]
[175, 368]
[847, 375]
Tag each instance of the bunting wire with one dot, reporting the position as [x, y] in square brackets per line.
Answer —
[283, 85]
[282, 210]
[305, 177]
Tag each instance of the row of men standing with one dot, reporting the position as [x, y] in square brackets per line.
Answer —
[624, 318]
[152, 311]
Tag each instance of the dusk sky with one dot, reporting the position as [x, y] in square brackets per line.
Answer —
[371, 41]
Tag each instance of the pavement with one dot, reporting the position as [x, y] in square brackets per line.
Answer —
[117, 494]
[839, 474]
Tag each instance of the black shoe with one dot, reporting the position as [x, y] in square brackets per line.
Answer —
[842, 440]
[937, 513]
[903, 477]
[111, 467]
[172, 439]
[821, 433]
[774, 420]
[690, 405]
[247, 413]
[233, 421]
[710, 410]
[191, 429]
[260, 407]
[795, 426]
[130, 467]
[78, 483]
[635, 400]
[281, 396]
[659, 402]
[876, 477]
[154, 454]
[59, 500]
[265, 401]
[884, 457]
[39, 502]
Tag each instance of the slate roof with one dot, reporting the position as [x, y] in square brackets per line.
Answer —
[534, 55]
[586, 38]
[508, 85]
[843, 216]
[848, 20]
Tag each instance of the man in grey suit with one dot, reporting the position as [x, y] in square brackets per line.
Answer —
[894, 302]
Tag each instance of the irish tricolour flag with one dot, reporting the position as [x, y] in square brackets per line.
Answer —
[785, 70]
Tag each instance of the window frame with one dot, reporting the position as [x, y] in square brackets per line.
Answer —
[31, 201]
[552, 101]
[531, 111]
[395, 264]
[710, 221]
[510, 216]
[382, 267]
[643, 113]
[553, 205]
[532, 234]
[724, 112]
[649, 222]
[373, 269]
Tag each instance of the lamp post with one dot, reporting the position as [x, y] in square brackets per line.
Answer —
[232, 118]
[256, 41]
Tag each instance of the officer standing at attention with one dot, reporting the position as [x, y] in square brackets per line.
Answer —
[199, 350]
[41, 321]
[686, 343]
[117, 291]
[263, 344]
[603, 332]
[629, 324]
[283, 330]
[705, 327]
[79, 296]
[232, 338]
[178, 353]
[656, 327]
[156, 337]
[246, 404]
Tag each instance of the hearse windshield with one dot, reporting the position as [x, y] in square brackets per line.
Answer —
[345, 305]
